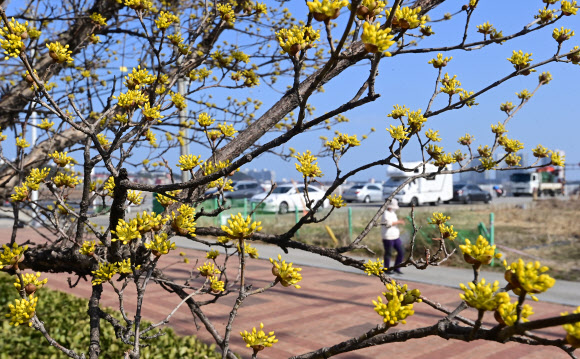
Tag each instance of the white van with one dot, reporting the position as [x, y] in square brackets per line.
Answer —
[434, 189]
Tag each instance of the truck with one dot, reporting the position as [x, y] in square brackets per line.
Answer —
[432, 189]
[546, 181]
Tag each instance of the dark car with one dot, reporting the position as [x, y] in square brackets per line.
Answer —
[468, 193]
[244, 189]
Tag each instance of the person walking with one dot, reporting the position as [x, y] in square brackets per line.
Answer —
[391, 236]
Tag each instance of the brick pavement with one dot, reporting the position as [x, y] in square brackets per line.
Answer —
[330, 307]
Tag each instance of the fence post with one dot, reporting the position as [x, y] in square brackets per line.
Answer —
[253, 206]
[491, 233]
[245, 207]
[297, 217]
[216, 220]
[350, 224]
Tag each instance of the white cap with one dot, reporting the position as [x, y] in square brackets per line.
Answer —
[394, 204]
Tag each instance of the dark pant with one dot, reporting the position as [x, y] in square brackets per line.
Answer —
[389, 244]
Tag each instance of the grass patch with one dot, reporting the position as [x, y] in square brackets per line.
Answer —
[65, 318]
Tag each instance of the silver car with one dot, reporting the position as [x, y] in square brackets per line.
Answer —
[368, 192]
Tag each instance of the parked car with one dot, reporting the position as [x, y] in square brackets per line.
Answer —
[288, 197]
[368, 192]
[468, 193]
[244, 189]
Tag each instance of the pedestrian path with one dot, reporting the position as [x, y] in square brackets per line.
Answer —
[332, 306]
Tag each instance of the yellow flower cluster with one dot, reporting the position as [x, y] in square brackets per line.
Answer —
[433, 135]
[11, 256]
[447, 232]
[240, 228]
[152, 113]
[513, 160]
[199, 74]
[342, 141]
[524, 95]
[369, 9]
[377, 40]
[138, 4]
[511, 146]
[507, 313]
[336, 201]
[398, 133]
[486, 28]
[407, 18]
[326, 10]
[483, 296]
[150, 222]
[213, 254]
[21, 142]
[466, 94]
[450, 85]
[165, 20]
[184, 222]
[189, 162]
[88, 248]
[376, 268]
[22, 311]
[35, 177]
[126, 231]
[138, 77]
[308, 165]
[227, 130]
[63, 179]
[227, 14]
[208, 270]
[415, 121]
[297, 38]
[285, 272]
[45, 125]
[160, 245]
[393, 311]
[61, 158]
[398, 112]
[205, 120]
[216, 285]
[573, 331]
[561, 35]
[528, 277]
[98, 19]
[131, 99]
[466, 140]
[438, 218]
[479, 253]
[258, 339]
[488, 163]
[110, 186]
[440, 61]
[568, 7]
[545, 15]
[104, 273]
[166, 201]
[21, 193]
[134, 197]
[556, 159]
[249, 250]
[484, 151]
[59, 53]
[11, 40]
[31, 282]
[150, 136]
[409, 296]
[178, 101]
[521, 61]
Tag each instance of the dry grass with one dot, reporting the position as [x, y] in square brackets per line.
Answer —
[547, 230]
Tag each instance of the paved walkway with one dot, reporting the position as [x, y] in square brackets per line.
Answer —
[332, 306]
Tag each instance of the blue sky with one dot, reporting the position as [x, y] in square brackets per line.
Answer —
[550, 118]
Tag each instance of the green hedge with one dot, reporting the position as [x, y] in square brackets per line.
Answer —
[65, 318]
